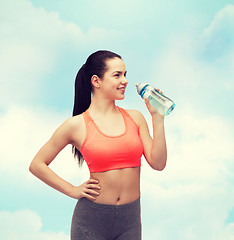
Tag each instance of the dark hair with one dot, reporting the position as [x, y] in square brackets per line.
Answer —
[95, 65]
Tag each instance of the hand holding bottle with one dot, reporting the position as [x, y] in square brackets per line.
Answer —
[161, 104]
[153, 111]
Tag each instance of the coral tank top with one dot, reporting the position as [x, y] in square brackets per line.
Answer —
[103, 153]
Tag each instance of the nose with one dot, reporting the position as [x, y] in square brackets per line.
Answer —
[124, 80]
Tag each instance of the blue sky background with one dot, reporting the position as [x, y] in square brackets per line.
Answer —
[185, 48]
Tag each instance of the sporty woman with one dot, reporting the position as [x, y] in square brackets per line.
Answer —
[111, 140]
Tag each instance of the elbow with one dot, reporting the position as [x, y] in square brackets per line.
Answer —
[31, 168]
[36, 167]
[160, 165]
[159, 168]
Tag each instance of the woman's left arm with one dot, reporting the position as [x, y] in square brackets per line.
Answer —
[155, 150]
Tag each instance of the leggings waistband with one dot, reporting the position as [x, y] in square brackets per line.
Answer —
[102, 206]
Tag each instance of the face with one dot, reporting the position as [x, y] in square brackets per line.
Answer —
[114, 82]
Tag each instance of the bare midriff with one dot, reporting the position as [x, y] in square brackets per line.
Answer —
[120, 186]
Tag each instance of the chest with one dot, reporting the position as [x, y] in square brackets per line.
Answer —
[114, 126]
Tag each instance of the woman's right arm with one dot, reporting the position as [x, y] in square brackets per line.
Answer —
[40, 164]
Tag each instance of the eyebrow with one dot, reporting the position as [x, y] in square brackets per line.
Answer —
[118, 72]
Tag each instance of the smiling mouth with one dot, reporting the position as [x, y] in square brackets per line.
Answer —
[122, 90]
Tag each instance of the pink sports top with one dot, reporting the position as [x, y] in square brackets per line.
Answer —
[102, 152]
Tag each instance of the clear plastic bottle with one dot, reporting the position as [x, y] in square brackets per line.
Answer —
[160, 102]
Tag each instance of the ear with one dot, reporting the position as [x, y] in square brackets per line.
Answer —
[95, 80]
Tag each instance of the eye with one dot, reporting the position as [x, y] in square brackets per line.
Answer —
[116, 75]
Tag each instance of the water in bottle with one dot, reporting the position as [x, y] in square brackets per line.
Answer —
[160, 102]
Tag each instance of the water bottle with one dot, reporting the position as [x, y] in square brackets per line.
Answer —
[160, 102]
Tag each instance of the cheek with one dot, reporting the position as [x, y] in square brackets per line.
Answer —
[109, 90]
[112, 86]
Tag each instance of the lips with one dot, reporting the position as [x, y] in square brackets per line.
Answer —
[122, 90]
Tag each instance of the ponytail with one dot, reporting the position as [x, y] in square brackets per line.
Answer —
[95, 65]
[82, 92]
[81, 102]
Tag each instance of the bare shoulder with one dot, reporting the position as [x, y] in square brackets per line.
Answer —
[70, 127]
[136, 115]
[74, 124]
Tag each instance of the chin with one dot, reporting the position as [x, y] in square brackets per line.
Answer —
[120, 98]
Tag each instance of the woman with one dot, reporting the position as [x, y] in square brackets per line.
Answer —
[111, 140]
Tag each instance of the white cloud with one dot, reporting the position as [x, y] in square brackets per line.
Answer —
[25, 225]
[197, 71]
[23, 132]
[215, 46]
[219, 34]
[32, 43]
[192, 197]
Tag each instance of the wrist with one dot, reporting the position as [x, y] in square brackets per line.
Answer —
[158, 117]
[70, 191]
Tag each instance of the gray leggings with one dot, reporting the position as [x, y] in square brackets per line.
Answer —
[95, 221]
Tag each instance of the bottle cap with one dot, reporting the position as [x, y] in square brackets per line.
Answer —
[140, 87]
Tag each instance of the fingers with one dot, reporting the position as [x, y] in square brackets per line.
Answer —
[89, 197]
[151, 109]
[95, 186]
[92, 181]
[89, 191]
[92, 192]
[160, 91]
[146, 101]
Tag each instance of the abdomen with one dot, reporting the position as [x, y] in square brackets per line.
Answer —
[118, 186]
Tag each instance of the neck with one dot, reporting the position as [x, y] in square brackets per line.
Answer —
[103, 106]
